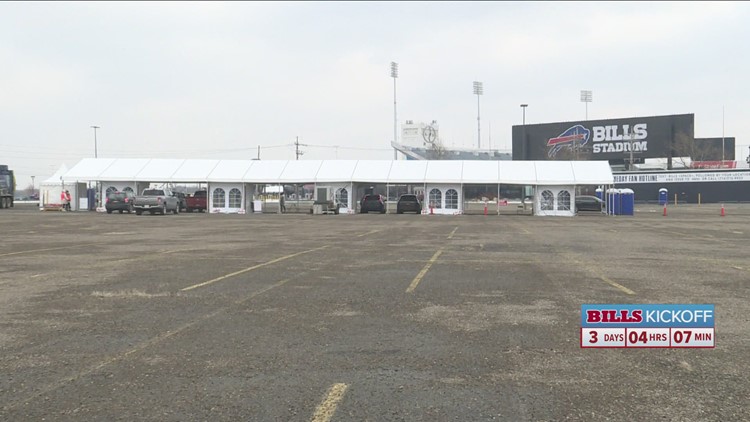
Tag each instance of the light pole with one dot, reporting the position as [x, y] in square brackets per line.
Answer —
[722, 137]
[394, 75]
[478, 90]
[586, 97]
[96, 154]
[32, 185]
[523, 132]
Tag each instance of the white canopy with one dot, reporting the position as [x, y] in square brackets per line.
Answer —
[55, 179]
[327, 171]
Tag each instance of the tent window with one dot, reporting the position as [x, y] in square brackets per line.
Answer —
[342, 197]
[235, 198]
[111, 189]
[563, 201]
[218, 198]
[127, 189]
[451, 199]
[548, 201]
[436, 198]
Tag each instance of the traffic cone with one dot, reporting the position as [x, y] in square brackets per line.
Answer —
[722, 210]
[665, 210]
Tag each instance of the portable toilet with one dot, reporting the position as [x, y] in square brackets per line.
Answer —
[613, 201]
[627, 202]
[663, 198]
[599, 193]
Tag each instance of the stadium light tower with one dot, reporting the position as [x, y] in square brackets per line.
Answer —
[478, 90]
[586, 97]
[394, 75]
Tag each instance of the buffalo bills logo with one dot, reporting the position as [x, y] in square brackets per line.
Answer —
[574, 137]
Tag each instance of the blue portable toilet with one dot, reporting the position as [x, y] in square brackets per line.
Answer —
[627, 202]
[663, 198]
[599, 193]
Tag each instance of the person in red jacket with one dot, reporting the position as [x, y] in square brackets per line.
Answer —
[65, 199]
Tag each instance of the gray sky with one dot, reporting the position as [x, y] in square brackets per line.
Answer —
[215, 80]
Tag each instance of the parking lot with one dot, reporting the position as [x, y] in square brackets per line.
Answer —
[364, 317]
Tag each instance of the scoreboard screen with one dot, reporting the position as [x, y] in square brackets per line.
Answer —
[647, 326]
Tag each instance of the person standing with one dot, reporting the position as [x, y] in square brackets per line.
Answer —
[282, 202]
[67, 201]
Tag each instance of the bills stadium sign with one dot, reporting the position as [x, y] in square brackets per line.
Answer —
[608, 139]
[605, 139]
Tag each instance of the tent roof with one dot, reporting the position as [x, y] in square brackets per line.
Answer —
[55, 179]
[320, 171]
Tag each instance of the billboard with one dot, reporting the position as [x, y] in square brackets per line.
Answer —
[610, 139]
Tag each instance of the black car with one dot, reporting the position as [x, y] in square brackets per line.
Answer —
[373, 202]
[589, 203]
[120, 201]
[408, 203]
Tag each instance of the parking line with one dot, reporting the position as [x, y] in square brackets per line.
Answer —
[325, 410]
[254, 267]
[450, 236]
[617, 285]
[47, 249]
[370, 232]
[137, 348]
[422, 273]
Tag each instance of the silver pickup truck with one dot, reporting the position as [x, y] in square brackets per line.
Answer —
[156, 200]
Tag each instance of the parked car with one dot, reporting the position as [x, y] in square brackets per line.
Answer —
[197, 201]
[120, 201]
[408, 203]
[372, 202]
[589, 203]
[180, 200]
[156, 200]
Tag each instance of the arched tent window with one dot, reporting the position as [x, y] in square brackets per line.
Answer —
[111, 189]
[218, 198]
[451, 199]
[127, 189]
[436, 198]
[342, 197]
[563, 200]
[235, 198]
[548, 201]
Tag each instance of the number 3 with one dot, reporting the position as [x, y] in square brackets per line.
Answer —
[593, 337]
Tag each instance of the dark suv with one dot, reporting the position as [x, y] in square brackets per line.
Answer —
[373, 202]
[408, 203]
[120, 201]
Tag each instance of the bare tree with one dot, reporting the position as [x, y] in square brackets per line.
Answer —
[687, 150]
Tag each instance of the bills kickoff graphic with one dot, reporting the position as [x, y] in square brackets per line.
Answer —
[647, 326]
[575, 137]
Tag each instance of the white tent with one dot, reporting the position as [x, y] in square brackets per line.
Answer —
[50, 190]
[231, 182]
[367, 171]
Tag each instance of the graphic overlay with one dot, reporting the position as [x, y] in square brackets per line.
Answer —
[647, 326]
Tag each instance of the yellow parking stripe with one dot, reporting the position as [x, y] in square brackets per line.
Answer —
[422, 273]
[254, 267]
[325, 410]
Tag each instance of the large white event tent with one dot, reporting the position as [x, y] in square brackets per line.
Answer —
[234, 184]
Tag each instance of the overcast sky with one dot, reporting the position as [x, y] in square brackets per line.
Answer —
[215, 80]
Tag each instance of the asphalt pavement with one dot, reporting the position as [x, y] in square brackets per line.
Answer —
[364, 317]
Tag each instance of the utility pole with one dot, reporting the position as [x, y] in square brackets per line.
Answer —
[297, 152]
[32, 185]
[722, 137]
